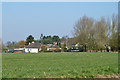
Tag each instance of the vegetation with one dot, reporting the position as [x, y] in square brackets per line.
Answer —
[49, 39]
[43, 48]
[91, 34]
[95, 34]
[1, 43]
[59, 65]
[11, 44]
[21, 43]
[29, 39]
[64, 49]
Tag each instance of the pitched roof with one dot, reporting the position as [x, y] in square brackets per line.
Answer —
[53, 46]
[34, 45]
[22, 46]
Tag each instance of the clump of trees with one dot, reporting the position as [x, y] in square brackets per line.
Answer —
[49, 39]
[13, 44]
[21, 43]
[29, 39]
[95, 34]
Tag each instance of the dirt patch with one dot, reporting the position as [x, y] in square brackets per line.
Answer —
[76, 55]
[87, 55]
[108, 76]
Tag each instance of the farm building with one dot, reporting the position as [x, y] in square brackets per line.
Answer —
[33, 48]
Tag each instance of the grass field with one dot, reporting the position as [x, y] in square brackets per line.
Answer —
[59, 65]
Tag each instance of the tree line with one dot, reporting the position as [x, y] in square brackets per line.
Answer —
[43, 40]
[97, 34]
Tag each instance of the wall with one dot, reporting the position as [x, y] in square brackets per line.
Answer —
[31, 50]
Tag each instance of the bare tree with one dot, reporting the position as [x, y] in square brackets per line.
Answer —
[96, 34]
[113, 41]
[83, 30]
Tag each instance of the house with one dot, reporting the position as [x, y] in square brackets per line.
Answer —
[33, 48]
[53, 48]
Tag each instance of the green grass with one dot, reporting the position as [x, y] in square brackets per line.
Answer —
[58, 65]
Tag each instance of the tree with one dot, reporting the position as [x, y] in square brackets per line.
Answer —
[55, 39]
[41, 38]
[83, 30]
[49, 39]
[21, 43]
[100, 34]
[64, 49]
[12, 44]
[96, 34]
[1, 43]
[113, 39]
[29, 39]
[43, 48]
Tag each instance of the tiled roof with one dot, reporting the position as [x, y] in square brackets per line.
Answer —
[34, 45]
[53, 46]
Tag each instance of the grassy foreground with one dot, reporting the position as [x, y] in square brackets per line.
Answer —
[58, 65]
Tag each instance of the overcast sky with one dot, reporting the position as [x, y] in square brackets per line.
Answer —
[21, 19]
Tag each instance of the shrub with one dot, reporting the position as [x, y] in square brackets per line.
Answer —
[43, 48]
[64, 49]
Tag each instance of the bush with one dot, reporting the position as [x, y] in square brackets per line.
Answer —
[57, 50]
[81, 49]
[64, 49]
[43, 48]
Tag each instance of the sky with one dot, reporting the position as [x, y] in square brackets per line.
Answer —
[21, 19]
